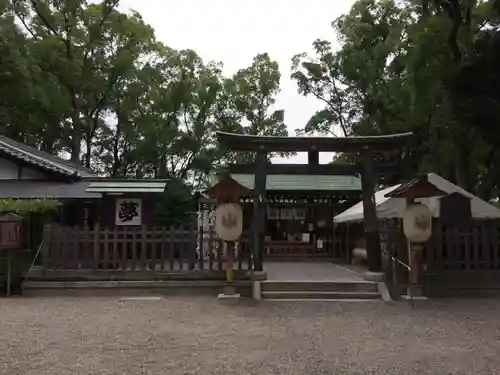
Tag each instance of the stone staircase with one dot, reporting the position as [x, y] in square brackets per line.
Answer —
[321, 291]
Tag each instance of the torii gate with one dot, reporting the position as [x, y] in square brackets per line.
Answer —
[363, 146]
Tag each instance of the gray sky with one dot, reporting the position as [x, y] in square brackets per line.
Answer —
[234, 31]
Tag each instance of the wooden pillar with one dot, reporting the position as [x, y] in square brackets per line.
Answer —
[414, 261]
[372, 236]
[259, 217]
[313, 158]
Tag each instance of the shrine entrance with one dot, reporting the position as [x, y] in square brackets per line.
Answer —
[299, 225]
[291, 207]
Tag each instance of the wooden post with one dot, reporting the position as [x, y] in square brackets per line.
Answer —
[229, 248]
[143, 251]
[348, 243]
[96, 247]
[9, 271]
[313, 158]
[106, 248]
[46, 247]
[192, 248]
[414, 258]
[259, 219]
[372, 237]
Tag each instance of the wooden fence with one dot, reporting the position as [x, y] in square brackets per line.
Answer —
[465, 248]
[457, 258]
[136, 249]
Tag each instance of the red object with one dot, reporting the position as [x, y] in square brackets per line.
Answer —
[416, 188]
[228, 188]
[10, 235]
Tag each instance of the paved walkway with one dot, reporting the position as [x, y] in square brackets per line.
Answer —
[310, 271]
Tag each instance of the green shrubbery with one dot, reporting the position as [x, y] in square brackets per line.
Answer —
[28, 206]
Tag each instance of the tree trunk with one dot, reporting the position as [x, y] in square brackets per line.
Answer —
[462, 170]
[88, 152]
[117, 163]
[76, 137]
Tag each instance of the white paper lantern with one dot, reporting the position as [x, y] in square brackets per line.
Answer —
[417, 223]
[229, 221]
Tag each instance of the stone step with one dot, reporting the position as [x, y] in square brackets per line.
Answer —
[121, 284]
[344, 300]
[130, 288]
[131, 275]
[318, 295]
[319, 286]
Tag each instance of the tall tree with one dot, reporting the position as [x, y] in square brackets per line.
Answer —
[248, 105]
[475, 96]
[86, 49]
[394, 72]
[24, 111]
[82, 78]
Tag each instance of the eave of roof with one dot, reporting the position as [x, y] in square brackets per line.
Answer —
[42, 159]
[416, 188]
[120, 186]
[228, 187]
[32, 189]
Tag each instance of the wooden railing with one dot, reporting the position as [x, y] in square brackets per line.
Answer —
[136, 249]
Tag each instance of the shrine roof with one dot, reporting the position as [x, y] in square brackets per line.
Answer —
[118, 186]
[41, 159]
[228, 187]
[281, 182]
[243, 142]
[416, 188]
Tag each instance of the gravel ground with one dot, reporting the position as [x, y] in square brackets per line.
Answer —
[201, 335]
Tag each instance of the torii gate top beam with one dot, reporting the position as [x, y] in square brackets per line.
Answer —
[242, 142]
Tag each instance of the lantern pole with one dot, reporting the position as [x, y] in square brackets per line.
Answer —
[412, 262]
[415, 189]
[9, 271]
[228, 241]
[228, 224]
[228, 250]
[414, 258]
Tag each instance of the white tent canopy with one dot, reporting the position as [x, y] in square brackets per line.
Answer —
[388, 208]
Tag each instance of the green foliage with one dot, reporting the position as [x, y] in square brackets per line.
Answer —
[397, 70]
[83, 78]
[248, 99]
[27, 206]
[176, 205]
[78, 64]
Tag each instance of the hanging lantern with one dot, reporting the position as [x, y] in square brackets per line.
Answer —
[229, 221]
[417, 223]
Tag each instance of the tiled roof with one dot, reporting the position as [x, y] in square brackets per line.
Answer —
[126, 186]
[29, 189]
[416, 188]
[42, 159]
